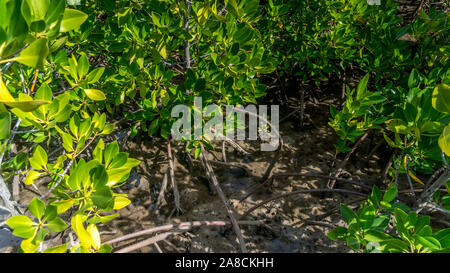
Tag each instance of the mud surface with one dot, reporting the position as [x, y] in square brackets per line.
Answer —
[292, 223]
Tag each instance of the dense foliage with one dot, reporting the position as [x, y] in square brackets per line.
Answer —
[67, 70]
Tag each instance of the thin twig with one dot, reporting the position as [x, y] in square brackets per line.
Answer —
[300, 192]
[162, 190]
[224, 152]
[215, 182]
[347, 157]
[275, 175]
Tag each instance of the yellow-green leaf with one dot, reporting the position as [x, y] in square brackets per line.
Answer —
[25, 103]
[57, 249]
[95, 94]
[444, 140]
[83, 235]
[121, 202]
[441, 98]
[35, 54]
[72, 19]
[31, 177]
[26, 106]
[28, 246]
[4, 92]
[95, 235]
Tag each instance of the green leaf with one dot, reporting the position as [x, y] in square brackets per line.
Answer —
[361, 90]
[413, 80]
[19, 221]
[72, 19]
[337, 233]
[34, 55]
[57, 225]
[39, 159]
[83, 65]
[22, 226]
[353, 243]
[376, 236]
[95, 75]
[390, 194]
[428, 242]
[105, 248]
[111, 150]
[375, 196]
[102, 197]
[5, 125]
[37, 208]
[366, 217]
[441, 98]
[95, 94]
[232, 7]
[399, 221]
[348, 214]
[443, 236]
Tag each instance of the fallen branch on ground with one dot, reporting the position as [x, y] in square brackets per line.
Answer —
[181, 226]
[176, 193]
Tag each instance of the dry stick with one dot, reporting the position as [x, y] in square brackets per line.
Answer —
[347, 157]
[215, 182]
[427, 193]
[163, 189]
[224, 152]
[302, 105]
[275, 175]
[433, 177]
[375, 149]
[343, 86]
[386, 169]
[290, 114]
[158, 248]
[181, 226]
[300, 192]
[149, 241]
[176, 193]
